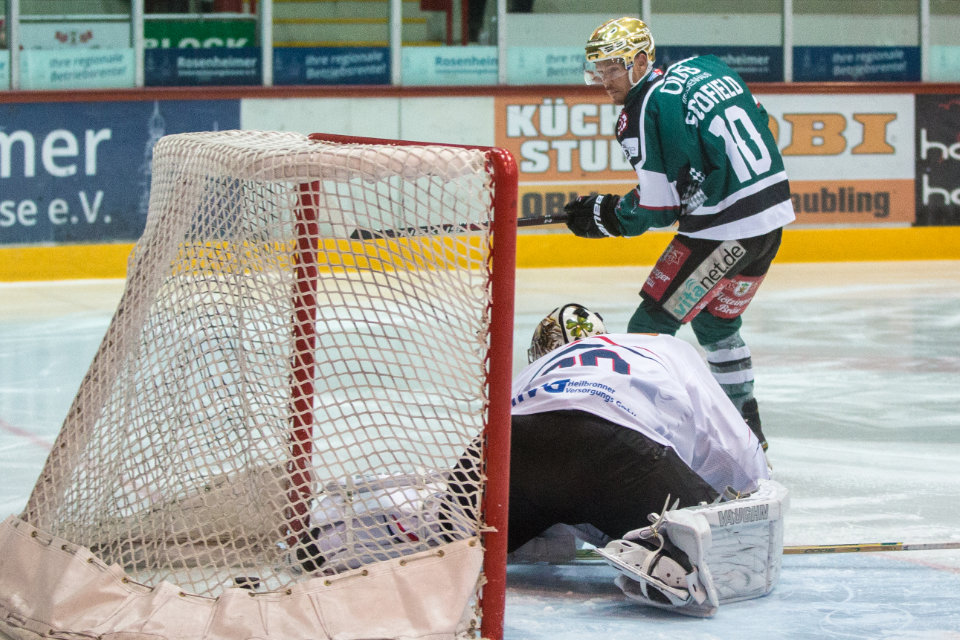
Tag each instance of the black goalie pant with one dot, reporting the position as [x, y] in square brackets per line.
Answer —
[573, 467]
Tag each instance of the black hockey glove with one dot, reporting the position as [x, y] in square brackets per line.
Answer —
[593, 216]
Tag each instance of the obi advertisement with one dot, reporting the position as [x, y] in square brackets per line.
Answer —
[80, 172]
[850, 158]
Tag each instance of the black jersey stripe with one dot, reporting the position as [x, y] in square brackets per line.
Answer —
[753, 204]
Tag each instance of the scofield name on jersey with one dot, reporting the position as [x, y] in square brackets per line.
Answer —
[706, 97]
[720, 176]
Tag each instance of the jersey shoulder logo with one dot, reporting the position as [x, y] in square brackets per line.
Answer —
[622, 122]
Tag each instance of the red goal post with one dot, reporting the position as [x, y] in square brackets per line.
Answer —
[502, 168]
[301, 408]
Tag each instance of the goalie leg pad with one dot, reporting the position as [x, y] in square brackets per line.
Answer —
[746, 552]
[360, 520]
[730, 551]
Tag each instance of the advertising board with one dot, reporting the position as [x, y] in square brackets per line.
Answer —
[80, 172]
[850, 158]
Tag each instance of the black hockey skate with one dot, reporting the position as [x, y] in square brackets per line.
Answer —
[751, 415]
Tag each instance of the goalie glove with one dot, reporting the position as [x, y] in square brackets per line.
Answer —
[364, 519]
[594, 216]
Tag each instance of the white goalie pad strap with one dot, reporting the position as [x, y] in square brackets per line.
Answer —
[735, 548]
[361, 520]
[653, 569]
[694, 594]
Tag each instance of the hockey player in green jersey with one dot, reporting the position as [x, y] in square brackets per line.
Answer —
[706, 161]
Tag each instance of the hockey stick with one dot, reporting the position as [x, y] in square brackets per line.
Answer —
[866, 547]
[436, 229]
[539, 221]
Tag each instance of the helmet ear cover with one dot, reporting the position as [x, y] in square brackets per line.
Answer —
[562, 326]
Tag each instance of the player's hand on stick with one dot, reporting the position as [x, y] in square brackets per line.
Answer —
[593, 216]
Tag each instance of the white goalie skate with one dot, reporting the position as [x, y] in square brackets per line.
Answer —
[695, 559]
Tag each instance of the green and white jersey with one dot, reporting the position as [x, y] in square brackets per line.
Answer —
[704, 155]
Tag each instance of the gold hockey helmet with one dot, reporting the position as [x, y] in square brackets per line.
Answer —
[618, 39]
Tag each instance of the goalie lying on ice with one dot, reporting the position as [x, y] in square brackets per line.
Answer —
[689, 560]
[606, 428]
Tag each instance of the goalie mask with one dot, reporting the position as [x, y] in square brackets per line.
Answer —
[620, 40]
[564, 325]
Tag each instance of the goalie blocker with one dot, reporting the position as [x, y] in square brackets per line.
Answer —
[693, 560]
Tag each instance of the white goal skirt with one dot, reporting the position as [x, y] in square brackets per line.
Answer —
[297, 311]
[92, 599]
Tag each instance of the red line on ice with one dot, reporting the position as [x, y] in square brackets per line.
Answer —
[9, 428]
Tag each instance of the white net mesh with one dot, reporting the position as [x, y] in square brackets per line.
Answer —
[297, 364]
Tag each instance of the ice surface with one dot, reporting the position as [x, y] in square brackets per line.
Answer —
[858, 377]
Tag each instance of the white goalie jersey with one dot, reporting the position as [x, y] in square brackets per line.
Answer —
[655, 384]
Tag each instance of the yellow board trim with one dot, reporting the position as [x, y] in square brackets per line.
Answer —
[64, 262]
[333, 254]
[538, 250]
[333, 1]
[860, 244]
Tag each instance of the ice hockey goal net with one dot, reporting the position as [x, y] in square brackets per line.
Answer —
[297, 423]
